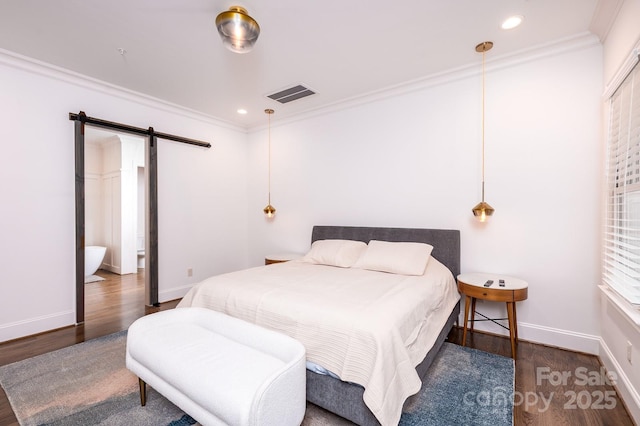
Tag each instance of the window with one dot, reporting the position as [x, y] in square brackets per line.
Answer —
[622, 227]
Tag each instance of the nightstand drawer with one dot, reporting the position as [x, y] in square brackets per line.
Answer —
[493, 294]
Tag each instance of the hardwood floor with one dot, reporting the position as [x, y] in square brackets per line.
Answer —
[554, 386]
[542, 396]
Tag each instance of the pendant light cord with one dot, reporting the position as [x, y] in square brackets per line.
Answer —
[269, 177]
[269, 210]
[482, 210]
[483, 102]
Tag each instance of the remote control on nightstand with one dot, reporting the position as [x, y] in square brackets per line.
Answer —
[501, 283]
[488, 283]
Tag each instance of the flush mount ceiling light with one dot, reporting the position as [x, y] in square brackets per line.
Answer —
[512, 22]
[483, 210]
[270, 211]
[238, 30]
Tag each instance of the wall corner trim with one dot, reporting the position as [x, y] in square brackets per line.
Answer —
[622, 73]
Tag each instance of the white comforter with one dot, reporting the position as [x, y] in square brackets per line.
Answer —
[368, 327]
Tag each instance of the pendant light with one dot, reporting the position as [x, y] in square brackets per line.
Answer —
[270, 211]
[483, 210]
[238, 30]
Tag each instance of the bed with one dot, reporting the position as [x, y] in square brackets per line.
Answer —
[370, 337]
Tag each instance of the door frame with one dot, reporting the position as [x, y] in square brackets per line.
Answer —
[151, 219]
[151, 201]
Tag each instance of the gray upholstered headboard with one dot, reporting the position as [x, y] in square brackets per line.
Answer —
[445, 242]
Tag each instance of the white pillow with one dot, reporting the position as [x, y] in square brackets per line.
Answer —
[341, 253]
[398, 258]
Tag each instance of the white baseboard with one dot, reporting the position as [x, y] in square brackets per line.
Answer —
[36, 325]
[173, 293]
[28, 327]
[111, 268]
[550, 336]
[566, 339]
[625, 388]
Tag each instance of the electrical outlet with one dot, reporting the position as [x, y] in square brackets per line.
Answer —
[189, 272]
[629, 350]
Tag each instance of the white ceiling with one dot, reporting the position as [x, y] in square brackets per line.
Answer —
[341, 49]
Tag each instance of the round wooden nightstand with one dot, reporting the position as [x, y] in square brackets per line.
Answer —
[473, 287]
[280, 257]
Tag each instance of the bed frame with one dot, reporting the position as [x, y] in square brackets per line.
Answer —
[343, 398]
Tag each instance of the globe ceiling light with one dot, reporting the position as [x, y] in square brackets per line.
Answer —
[238, 30]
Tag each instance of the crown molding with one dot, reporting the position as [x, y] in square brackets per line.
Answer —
[604, 16]
[560, 46]
[580, 41]
[44, 69]
[629, 63]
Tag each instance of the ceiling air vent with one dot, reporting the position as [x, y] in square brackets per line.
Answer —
[291, 94]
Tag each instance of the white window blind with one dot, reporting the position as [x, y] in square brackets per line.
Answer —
[622, 227]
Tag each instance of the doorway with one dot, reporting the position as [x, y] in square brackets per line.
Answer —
[114, 187]
[108, 162]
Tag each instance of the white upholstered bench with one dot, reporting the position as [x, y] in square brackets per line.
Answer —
[218, 369]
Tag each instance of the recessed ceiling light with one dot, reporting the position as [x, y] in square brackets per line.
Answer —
[512, 22]
[242, 111]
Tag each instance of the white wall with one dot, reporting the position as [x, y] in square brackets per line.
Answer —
[413, 160]
[113, 202]
[202, 192]
[93, 223]
[132, 157]
[616, 327]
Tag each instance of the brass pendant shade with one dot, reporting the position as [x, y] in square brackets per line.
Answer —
[482, 211]
[270, 211]
[238, 30]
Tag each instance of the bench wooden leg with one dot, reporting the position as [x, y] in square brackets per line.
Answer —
[143, 392]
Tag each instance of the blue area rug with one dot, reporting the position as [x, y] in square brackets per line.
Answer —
[464, 386]
[183, 421]
[88, 384]
[84, 384]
